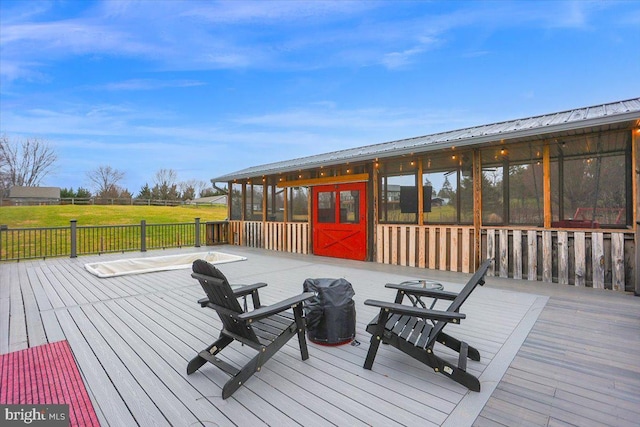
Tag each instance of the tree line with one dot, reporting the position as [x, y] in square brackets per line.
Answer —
[28, 161]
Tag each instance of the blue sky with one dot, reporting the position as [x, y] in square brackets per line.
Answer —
[210, 87]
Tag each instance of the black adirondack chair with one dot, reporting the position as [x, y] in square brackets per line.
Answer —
[265, 329]
[415, 330]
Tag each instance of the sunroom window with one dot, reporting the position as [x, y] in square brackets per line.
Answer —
[591, 180]
[298, 200]
[398, 193]
[447, 179]
[253, 206]
[235, 196]
[512, 185]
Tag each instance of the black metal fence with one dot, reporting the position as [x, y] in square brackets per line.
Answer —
[75, 240]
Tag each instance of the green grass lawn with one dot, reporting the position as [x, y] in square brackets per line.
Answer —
[56, 216]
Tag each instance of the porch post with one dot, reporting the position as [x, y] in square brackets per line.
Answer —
[230, 199]
[375, 203]
[546, 184]
[264, 231]
[477, 207]
[285, 219]
[244, 214]
[265, 195]
[420, 194]
[635, 161]
[310, 221]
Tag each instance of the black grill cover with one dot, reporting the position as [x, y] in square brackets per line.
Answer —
[331, 314]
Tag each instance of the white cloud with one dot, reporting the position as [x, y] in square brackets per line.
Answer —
[368, 121]
[149, 84]
[235, 12]
[395, 60]
[227, 35]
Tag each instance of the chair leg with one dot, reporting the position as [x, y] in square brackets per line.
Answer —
[198, 361]
[458, 374]
[427, 356]
[302, 339]
[376, 337]
[242, 376]
[455, 344]
[264, 354]
[463, 377]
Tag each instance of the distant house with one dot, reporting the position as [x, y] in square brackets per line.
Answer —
[34, 195]
[211, 200]
[438, 201]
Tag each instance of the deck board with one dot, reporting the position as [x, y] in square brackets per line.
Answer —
[17, 321]
[107, 399]
[132, 337]
[575, 364]
[35, 329]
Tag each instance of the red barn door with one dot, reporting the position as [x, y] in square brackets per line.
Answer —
[340, 220]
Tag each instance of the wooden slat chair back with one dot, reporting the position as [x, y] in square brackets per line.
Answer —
[265, 329]
[222, 299]
[415, 330]
[476, 280]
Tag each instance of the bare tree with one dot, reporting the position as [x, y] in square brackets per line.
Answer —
[25, 163]
[200, 186]
[105, 179]
[165, 187]
[192, 188]
[166, 177]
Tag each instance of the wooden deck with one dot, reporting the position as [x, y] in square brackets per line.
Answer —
[551, 355]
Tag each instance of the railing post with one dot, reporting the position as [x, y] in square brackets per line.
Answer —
[143, 236]
[197, 232]
[74, 235]
[3, 227]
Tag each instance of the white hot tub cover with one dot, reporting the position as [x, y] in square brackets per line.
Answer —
[161, 263]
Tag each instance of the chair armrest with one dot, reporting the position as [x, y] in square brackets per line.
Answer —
[269, 310]
[423, 292]
[423, 313]
[247, 289]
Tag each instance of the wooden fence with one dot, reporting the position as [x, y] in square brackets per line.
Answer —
[593, 258]
[278, 236]
[447, 248]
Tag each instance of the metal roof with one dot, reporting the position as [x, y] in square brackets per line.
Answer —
[598, 115]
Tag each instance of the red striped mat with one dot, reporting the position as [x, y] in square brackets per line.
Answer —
[46, 374]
